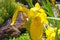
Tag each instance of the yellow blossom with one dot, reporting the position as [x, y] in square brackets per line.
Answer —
[59, 31]
[51, 37]
[19, 8]
[34, 11]
[48, 31]
[43, 18]
[14, 16]
[30, 13]
[38, 11]
[38, 19]
[37, 5]
[36, 29]
[51, 33]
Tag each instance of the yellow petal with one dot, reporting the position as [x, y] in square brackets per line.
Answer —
[47, 33]
[36, 29]
[15, 16]
[52, 37]
[50, 33]
[43, 18]
[19, 8]
[51, 30]
[59, 31]
[37, 5]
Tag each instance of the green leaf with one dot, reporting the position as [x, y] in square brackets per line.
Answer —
[10, 38]
[13, 38]
[29, 3]
[48, 8]
[1, 20]
[58, 13]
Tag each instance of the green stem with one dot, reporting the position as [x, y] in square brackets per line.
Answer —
[54, 18]
[56, 37]
[29, 3]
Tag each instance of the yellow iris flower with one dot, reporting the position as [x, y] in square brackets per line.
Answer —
[36, 29]
[38, 19]
[31, 13]
[34, 11]
[38, 11]
[14, 16]
[51, 32]
[19, 8]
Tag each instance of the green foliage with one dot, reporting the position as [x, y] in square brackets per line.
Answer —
[7, 8]
[1, 20]
[24, 36]
[47, 6]
[30, 3]
[49, 10]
